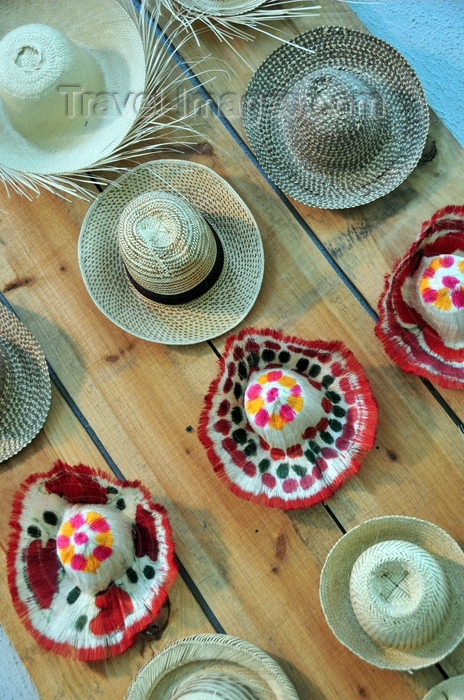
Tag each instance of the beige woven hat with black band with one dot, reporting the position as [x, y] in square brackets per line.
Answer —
[211, 667]
[171, 254]
[339, 124]
[25, 390]
[60, 63]
[392, 591]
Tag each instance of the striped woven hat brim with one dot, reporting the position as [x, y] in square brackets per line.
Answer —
[406, 335]
[244, 672]
[388, 87]
[25, 393]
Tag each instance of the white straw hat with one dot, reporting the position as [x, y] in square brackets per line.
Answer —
[211, 667]
[171, 254]
[25, 390]
[392, 591]
[451, 689]
[57, 62]
[337, 117]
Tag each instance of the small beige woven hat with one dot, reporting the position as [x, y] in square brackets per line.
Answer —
[171, 254]
[451, 689]
[211, 667]
[392, 591]
[339, 123]
[25, 390]
[60, 64]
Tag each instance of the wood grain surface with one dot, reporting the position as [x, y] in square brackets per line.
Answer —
[256, 568]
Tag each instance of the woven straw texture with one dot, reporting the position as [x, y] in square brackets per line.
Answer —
[223, 306]
[25, 390]
[323, 426]
[398, 590]
[90, 560]
[421, 311]
[451, 689]
[37, 130]
[211, 666]
[221, 8]
[339, 125]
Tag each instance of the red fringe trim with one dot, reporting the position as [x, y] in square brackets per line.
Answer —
[389, 329]
[365, 439]
[103, 651]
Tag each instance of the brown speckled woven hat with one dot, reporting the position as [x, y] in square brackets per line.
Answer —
[171, 254]
[211, 667]
[339, 124]
[392, 591]
[25, 391]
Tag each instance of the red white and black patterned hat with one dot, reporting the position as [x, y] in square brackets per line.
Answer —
[421, 311]
[287, 420]
[90, 560]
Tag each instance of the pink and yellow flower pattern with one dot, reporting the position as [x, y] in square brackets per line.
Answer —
[274, 399]
[84, 541]
[442, 282]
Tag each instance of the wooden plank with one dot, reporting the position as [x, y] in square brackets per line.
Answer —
[55, 676]
[140, 398]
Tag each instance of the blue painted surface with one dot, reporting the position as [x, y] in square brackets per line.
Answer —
[430, 35]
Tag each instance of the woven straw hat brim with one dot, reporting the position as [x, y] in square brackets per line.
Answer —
[211, 652]
[105, 29]
[408, 339]
[26, 396]
[328, 453]
[215, 312]
[221, 8]
[376, 63]
[335, 593]
[66, 619]
[451, 689]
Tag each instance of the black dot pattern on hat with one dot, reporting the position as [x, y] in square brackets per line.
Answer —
[80, 622]
[148, 571]
[34, 531]
[73, 595]
[50, 518]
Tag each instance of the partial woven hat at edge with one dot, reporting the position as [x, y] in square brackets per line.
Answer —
[421, 311]
[90, 560]
[339, 124]
[25, 390]
[392, 591]
[451, 689]
[286, 420]
[211, 667]
[171, 254]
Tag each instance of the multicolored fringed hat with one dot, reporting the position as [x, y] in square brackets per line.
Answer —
[336, 117]
[451, 689]
[73, 99]
[90, 560]
[25, 390]
[171, 253]
[287, 420]
[421, 311]
[392, 591]
[211, 667]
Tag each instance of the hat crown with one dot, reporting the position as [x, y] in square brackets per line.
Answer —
[332, 117]
[399, 594]
[213, 686]
[280, 404]
[95, 545]
[439, 295]
[35, 61]
[166, 244]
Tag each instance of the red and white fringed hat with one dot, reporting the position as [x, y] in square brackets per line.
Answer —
[90, 560]
[421, 311]
[287, 420]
